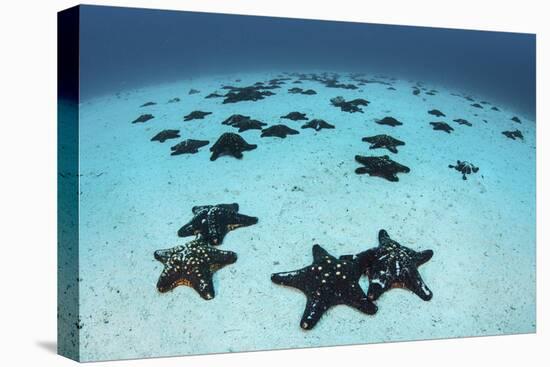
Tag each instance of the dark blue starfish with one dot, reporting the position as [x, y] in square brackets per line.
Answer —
[213, 222]
[392, 265]
[327, 282]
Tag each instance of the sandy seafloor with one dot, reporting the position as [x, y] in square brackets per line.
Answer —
[135, 196]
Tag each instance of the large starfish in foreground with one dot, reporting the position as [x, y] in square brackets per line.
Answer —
[327, 282]
[193, 265]
[392, 265]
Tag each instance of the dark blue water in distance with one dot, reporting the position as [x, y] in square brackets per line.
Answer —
[124, 48]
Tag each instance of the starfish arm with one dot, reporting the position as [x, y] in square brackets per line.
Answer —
[423, 256]
[320, 253]
[404, 169]
[190, 228]
[391, 177]
[164, 255]
[223, 258]
[315, 308]
[215, 155]
[356, 298]
[241, 220]
[415, 283]
[296, 279]
[384, 237]
[392, 149]
[204, 286]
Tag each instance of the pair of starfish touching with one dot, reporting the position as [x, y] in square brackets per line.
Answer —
[327, 282]
[194, 263]
[331, 281]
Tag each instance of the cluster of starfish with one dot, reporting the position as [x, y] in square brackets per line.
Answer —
[331, 281]
[327, 282]
[194, 263]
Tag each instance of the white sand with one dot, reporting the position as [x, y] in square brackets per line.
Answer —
[135, 197]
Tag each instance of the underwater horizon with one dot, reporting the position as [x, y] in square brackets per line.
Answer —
[127, 48]
[251, 183]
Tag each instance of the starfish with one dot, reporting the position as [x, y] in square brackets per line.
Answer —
[381, 167]
[349, 106]
[213, 222]
[174, 100]
[495, 108]
[383, 141]
[146, 104]
[465, 168]
[193, 265]
[188, 146]
[436, 113]
[442, 126]
[317, 125]
[249, 125]
[143, 118]
[516, 119]
[280, 131]
[251, 93]
[295, 116]
[165, 135]
[235, 119]
[230, 144]
[196, 115]
[513, 134]
[295, 90]
[390, 121]
[476, 105]
[194, 91]
[333, 83]
[463, 122]
[392, 265]
[327, 282]
[309, 92]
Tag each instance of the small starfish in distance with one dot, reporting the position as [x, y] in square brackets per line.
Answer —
[188, 146]
[317, 124]
[230, 144]
[295, 116]
[196, 115]
[280, 131]
[381, 166]
[327, 282]
[383, 141]
[143, 118]
[165, 135]
[442, 126]
[436, 113]
[390, 121]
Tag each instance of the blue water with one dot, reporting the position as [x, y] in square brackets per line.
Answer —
[129, 47]
[133, 195]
